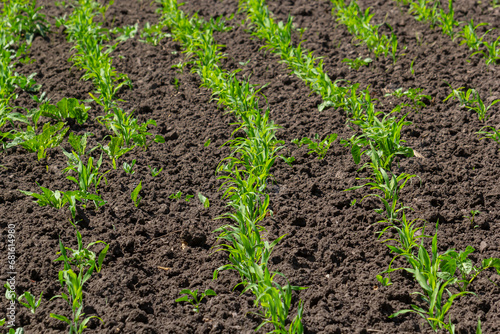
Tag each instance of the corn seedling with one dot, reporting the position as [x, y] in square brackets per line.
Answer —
[447, 21]
[390, 187]
[153, 34]
[154, 171]
[115, 149]
[462, 97]
[355, 64]
[472, 100]
[58, 199]
[125, 33]
[413, 94]
[473, 214]
[493, 135]
[84, 262]
[425, 11]
[31, 303]
[406, 240]
[87, 177]
[125, 126]
[193, 298]
[129, 168]
[54, 199]
[427, 272]
[204, 201]
[470, 37]
[319, 147]
[493, 51]
[383, 137]
[176, 196]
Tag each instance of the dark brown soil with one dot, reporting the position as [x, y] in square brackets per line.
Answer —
[330, 247]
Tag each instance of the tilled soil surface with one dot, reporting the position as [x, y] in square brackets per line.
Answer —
[330, 245]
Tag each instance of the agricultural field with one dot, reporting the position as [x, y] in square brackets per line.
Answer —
[287, 166]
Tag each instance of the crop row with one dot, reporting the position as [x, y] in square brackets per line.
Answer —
[92, 55]
[245, 173]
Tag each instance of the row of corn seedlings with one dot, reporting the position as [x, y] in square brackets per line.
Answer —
[245, 172]
[359, 24]
[93, 56]
[20, 22]
[431, 11]
[380, 140]
[471, 100]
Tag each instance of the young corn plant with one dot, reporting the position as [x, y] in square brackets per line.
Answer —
[469, 35]
[31, 303]
[155, 171]
[389, 187]
[413, 94]
[492, 54]
[434, 275]
[319, 147]
[129, 168]
[472, 100]
[193, 298]
[135, 195]
[114, 149]
[87, 178]
[356, 64]
[493, 134]
[472, 216]
[153, 34]
[446, 21]
[128, 129]
[79, 265]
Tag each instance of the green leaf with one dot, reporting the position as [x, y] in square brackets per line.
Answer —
[204, 201]
[356, 153]
[135, 194]
[61, 318]
[182, 299]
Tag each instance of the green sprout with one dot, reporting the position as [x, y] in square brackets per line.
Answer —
[193, 298]
[319, 147]
[355, 64]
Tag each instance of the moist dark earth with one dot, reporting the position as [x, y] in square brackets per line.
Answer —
[330, 245]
